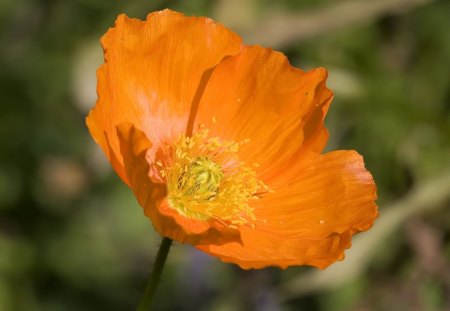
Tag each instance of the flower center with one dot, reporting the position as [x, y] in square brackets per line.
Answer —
[206, 180]
[202, 178]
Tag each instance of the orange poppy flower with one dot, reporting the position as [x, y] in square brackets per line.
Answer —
[221, 144]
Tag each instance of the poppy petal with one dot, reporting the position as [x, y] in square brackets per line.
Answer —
[262, 249]
[258, 95]
[326, 193]
[134, 146]
[327, 199]
[153, 70]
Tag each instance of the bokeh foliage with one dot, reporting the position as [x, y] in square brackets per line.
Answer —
[72, 236]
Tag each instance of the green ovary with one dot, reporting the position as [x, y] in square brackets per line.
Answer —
[201, 179]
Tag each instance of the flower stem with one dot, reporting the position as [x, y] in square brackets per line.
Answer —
[154, 278]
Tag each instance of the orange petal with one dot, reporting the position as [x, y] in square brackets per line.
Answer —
[153, 70]
[134, 146]
[314, 206]
[258, 95]
[262, 249]
[328, 193]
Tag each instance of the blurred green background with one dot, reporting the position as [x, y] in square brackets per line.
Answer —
[72, 236]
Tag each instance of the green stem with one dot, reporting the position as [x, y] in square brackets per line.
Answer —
[154, 278]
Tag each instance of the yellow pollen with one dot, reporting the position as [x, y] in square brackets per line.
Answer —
[206, 180]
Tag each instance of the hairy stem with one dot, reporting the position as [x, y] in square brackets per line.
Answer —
[154, 278]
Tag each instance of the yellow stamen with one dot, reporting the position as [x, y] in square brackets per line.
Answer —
[206, 180]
